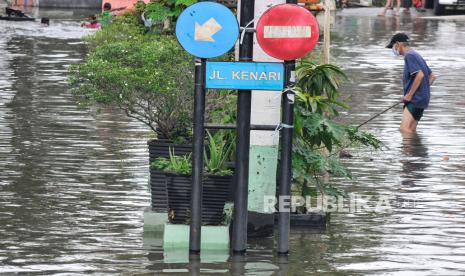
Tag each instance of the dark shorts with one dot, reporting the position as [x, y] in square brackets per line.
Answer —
[406, 3]
[417, 113]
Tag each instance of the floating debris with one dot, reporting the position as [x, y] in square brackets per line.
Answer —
[345, 154]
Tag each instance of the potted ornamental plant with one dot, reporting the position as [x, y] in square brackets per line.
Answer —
[319, 138]
[217, 182]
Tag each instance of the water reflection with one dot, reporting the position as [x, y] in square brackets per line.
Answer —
[415, 159]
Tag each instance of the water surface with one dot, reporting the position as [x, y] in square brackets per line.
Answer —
[73, 182]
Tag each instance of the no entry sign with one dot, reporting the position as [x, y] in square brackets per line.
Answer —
[287, 32]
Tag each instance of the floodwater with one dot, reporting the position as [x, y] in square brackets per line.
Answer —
[73, 182]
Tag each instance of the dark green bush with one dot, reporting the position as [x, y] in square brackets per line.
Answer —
[150, 78]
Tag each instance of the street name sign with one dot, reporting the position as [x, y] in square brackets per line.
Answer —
[287, 32]
[245, 75]
[207, 29]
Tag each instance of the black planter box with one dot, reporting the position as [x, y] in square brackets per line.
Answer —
[160, 148]
[159, 193]
[215, 194]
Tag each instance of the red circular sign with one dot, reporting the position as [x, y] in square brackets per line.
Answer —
[287, 32]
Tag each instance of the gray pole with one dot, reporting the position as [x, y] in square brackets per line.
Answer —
[285, 175]
[197, 157]
[239, 238]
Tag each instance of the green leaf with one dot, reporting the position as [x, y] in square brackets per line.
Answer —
[185, 3]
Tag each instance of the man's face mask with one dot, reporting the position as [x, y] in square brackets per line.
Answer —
[395, 51]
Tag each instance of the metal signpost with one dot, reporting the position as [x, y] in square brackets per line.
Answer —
[244, 103]
[207, 30]
[287, 32]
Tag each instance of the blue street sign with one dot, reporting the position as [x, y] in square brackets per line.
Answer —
[207, 29]
[245, 75]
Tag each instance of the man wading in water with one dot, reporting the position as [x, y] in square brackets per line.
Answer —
[417, 80]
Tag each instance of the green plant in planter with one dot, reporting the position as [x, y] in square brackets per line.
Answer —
[216, 189]
[216, 154]
[174, 164]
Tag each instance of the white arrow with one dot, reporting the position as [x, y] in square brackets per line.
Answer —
[287, 32]
[207, 30]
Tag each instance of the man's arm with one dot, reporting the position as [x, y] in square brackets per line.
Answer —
[432, 78]
[416, 83]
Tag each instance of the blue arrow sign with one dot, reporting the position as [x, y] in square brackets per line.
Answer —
[207, 29]
[245, 75]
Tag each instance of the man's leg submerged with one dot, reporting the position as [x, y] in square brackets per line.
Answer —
[408, 124]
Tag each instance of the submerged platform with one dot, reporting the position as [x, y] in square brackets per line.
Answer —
[176, 236]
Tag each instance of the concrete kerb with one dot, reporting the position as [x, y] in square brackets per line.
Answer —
[154, 222]
[214, 238]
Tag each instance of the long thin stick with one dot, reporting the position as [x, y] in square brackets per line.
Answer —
[327, 32]
[377, 115]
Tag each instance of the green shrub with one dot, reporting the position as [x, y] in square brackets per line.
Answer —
[150, 78]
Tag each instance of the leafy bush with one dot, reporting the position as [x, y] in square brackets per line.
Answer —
[150, 78]
[123, 28]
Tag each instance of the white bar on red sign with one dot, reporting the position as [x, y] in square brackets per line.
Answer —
[287, 32]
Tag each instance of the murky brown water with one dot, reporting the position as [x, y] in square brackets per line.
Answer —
[73, 184]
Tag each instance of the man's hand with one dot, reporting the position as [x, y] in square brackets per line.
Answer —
[407, 98]
[432, 78]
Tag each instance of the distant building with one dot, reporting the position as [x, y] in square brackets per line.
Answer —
[74, 4]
